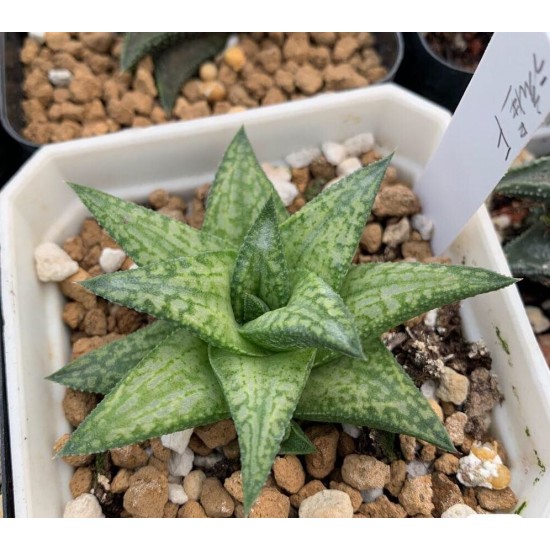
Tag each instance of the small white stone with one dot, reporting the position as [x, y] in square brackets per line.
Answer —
[538, 320]
[351, 430]
[397, 233]
[280, 173]
[208, 461]
[111, 259]
[428, 389]
[348, 166]
[286, 190]
[40, 37]
[423, 225]
[133, 265]
[335, 153]
[453, 386]
[327, 504]
[177, 441]
[430, 319]
[458, 511]
[176, 494]
[181, 464]
[370, 495]
[232, 40]
[416, 468]
[60, 78]
[104, 482]
[357, 145]
[501, 222]
[473, 473]
[303, 157]
[85, 506]
[53, 263]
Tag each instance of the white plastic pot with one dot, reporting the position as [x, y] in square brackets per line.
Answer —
[37, 206]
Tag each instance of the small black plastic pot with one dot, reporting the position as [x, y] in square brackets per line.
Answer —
[389, 44]
[430, 75]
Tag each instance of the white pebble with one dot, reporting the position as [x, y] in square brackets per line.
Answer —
[232, 40]
[415, 468]
[327, 504]
[430, 319]
[181, 464]
[111, 259]
[133, 265]
[303, 157]
[208, 461]
[474, 472]
[280, 173]
[458, 511]
[351, 430]
[104, 482]
[286, 190]
[85, 506]
[176, 494]
[38, 36]
[359, 144]
[428, 389]
[348, 166]
[53, 263]
[501, 222]
[538, 320]
[397, 233]
[335, 153]
[177, 441]
[60, 78]
[423, 225]
[370, 495]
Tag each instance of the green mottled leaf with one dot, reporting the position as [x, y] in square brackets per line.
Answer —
[296, 442]
[528, 181]
[239, 192]
[375, 393]
[178, 63]
[260, 269]
[192, 291]
[322, 237]
[101, 369]
[145, 235]
[139, 44]
[171, 389]
[384, 295]
[253, 307]
[261, 394]
[529, 254]
[315, 316]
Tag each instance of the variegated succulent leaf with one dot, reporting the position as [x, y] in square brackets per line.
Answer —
[100, 370]
[240, 190]
[323, 236]
[193, 291]
[315, 317]
[171, 389]
[137, 45]
[529, 181]
[260, 269]
[146, 236]
[262, 394]
[253, 307]
[383, 295]
[374, 392]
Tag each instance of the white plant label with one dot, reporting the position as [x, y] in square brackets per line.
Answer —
[507, 100]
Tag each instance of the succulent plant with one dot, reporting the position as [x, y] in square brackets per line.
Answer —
[262, 318]
[529, 254]
[176, 57]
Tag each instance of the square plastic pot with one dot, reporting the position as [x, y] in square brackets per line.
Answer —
[36, 206]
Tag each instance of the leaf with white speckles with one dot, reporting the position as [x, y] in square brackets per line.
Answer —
[323, 236]
[171, 389]
[384, 295]
[315, 317]
[262, 394]
[375, 393]
[296, 442]
[239, 192]
[146, 236]
[528, 181]
[192, 291]
[253, 307]
[260, 269]
[99, 370]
